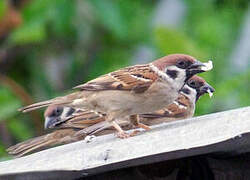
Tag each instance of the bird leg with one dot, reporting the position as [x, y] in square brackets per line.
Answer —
[136, 122]
[121, 134]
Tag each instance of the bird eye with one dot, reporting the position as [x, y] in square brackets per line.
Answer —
[57, 111]
[192, 84]
[182, 64]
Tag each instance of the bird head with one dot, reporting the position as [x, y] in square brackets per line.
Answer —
[196, 87]
[180, 67]
[55, 115]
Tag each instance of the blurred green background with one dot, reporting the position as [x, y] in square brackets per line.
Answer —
[47, 47]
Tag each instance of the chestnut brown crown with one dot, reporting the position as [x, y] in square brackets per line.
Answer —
[182, 61]
[200, 85]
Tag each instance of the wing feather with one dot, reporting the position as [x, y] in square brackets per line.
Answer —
[135, 78]
[171, 111]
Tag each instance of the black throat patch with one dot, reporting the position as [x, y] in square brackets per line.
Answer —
[172, 73]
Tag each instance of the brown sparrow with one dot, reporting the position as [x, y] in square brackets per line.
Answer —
[132, 90]
[72, 121]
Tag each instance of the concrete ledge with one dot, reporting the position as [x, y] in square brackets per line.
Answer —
[227, 132]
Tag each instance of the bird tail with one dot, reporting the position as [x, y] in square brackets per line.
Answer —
[62, 136]
[59, 101]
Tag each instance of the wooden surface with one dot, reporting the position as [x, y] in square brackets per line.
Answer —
[226, 132]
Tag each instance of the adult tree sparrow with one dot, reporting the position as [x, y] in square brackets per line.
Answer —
[132, 90]
[72, 121]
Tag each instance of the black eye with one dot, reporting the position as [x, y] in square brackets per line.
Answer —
[182, 64]
[58, 111]
[192, 84]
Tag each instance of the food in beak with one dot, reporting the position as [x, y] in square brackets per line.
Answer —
[207, 66]
[210, 93]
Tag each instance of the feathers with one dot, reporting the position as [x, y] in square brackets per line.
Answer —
[127, 79]
[36, 106]
[63, 101]
[174, 110]
[135, 78]
[61, 136]
[81, 119]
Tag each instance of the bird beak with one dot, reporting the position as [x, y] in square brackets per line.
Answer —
[210, 93]
[207, 89]
[198, 67]
[50, 122]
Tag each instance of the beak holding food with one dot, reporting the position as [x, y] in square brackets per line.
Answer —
[208, 89]
[210, 93]
[198, 67]
[207, 66]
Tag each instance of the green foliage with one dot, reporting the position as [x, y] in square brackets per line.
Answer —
[19, 129]
[171, 41]
[3, 7]
[42, 17]
[33, 32]
[109, 15]
[8, 103]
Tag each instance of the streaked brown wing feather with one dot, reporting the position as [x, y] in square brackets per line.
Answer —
[80, 119]
[171, 111]
[136, 78]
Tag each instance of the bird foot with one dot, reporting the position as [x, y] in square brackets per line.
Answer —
[135, 132]
[143, 126]
[124, 135]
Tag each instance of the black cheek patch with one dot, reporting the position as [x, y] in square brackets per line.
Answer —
[185, 90]
[172, 73]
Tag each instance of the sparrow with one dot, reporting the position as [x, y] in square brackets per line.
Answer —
[70, 121]
[183, 107]
[132, 90]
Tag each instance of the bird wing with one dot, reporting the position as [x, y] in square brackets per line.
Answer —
[135, 78]
[178, 109]
[80, 119]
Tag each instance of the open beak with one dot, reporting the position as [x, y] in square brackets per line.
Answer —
[207, 89]
[198, 67]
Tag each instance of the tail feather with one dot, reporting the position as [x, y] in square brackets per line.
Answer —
[35, 106]
[28, 146]
[56, 101]
[62, 136]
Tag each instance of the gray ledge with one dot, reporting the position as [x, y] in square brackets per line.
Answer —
[226, 132]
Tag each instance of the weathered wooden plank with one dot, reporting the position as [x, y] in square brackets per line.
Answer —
[225, 131]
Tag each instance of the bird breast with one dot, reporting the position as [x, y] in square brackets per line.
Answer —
[127, 103]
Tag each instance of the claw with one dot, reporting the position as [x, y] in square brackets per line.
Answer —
[123, 135]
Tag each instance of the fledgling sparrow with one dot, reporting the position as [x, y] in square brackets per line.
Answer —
[132, 90]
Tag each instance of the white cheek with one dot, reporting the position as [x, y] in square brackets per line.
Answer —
[192, 94]
[181, 76]
[177, 82]
[65, 111]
